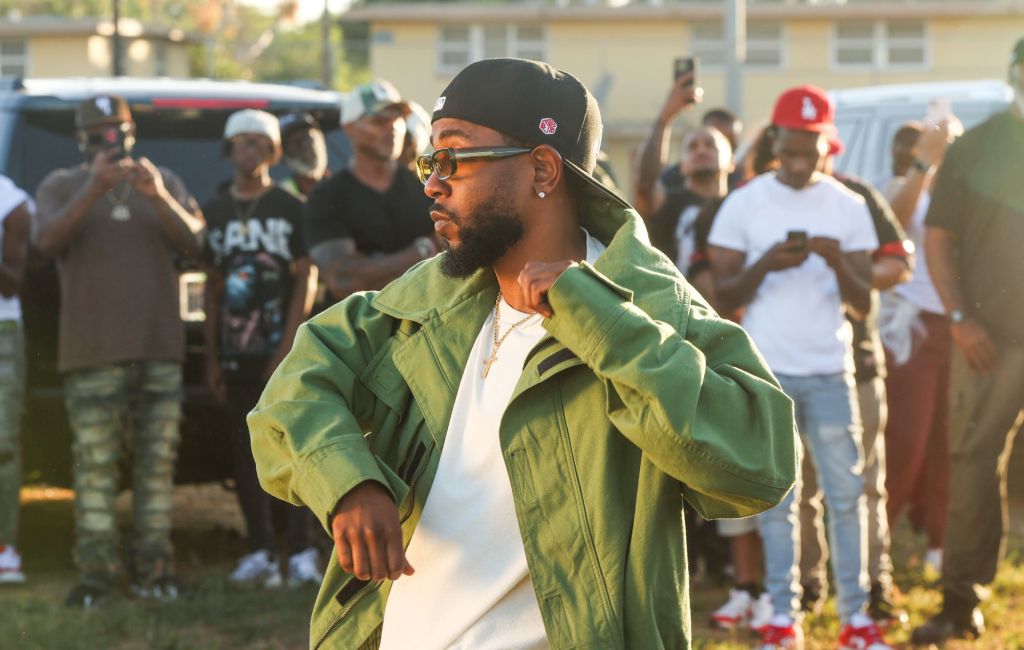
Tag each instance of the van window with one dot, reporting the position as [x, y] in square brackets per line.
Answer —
[186, 142]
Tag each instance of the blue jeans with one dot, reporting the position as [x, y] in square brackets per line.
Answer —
[829, 422]
[12, 395]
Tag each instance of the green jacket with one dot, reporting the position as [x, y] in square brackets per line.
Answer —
[640, 396]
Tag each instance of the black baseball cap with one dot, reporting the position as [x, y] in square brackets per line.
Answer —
[298, 120]
[535, 103]
[101, 110]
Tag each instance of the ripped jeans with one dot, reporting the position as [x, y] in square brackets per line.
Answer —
[828, 419]
[122, 409]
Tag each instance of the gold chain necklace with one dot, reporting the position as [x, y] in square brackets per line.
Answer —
[244, 217]
[120, 203]
[489, 361]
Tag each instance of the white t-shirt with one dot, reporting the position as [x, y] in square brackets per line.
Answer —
[472, 588]
[11, 196]
[796, 317]
[920, 291]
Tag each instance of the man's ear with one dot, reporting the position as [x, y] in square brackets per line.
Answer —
[547, 169]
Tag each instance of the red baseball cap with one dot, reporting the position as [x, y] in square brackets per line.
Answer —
[805, 108]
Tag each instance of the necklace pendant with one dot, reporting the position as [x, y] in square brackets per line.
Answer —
[487, 365]
[121, 213]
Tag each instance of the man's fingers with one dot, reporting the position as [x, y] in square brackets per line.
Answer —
[344, 550]
[377, 555]
[396, 557]
[360, 557]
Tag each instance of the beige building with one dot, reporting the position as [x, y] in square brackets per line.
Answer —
[45, 46]
[625, 54]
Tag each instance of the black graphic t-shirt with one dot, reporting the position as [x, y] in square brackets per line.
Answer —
[254, 245]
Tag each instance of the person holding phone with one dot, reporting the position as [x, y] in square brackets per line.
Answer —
[115, 226]
[793, 248]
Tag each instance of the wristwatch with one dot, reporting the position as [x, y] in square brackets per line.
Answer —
[922, 166]
[424, 247]
[957, 316]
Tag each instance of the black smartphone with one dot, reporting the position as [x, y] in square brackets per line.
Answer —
[112, 138]
[797, 237]
[687, 65]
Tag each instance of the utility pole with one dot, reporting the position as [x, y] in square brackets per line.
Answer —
[326, 51]
[117, 45]
[735, 52]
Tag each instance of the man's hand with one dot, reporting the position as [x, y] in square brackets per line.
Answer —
[368, 535]
[785, 255]
[106, 173]
[148, 181]
[975, 344]
[827, 248]
[535, 279]
[936, 138]
[682, 95]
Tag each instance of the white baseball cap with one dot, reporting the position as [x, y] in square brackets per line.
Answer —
[253, 121]
[370, 98]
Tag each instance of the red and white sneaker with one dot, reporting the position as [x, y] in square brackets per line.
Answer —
[10, 566]
[782, 636]
[761, 613]
[861, 633]
[735, 612]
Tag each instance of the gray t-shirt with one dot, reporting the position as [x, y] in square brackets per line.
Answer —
[118, 282]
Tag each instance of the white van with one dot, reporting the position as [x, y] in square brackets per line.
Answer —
[869, 117]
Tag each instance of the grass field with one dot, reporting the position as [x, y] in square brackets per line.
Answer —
[212, 616]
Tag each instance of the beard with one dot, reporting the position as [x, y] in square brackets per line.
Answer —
[492, 230]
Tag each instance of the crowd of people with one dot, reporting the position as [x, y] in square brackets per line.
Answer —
[885, 315]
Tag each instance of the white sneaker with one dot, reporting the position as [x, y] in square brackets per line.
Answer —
[10, 566]
[303, 568]
[933, 562]
[761, 613]
[735, 612]
[258, 569]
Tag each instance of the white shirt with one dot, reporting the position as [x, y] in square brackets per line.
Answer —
[796, 317]
[472, 588]
[11, 196]
[920, 291]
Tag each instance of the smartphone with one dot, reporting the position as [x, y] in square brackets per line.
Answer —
[939, 110]
[797, 237]
[687, 65]
[113, 138]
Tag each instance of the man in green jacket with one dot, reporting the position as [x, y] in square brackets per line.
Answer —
[500, 441]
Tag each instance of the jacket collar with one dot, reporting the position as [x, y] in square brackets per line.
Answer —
[424, 293]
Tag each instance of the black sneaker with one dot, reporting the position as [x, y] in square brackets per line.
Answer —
[87, 596]
[950, 623]
[882, 610]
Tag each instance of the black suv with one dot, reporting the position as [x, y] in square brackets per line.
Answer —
[179, 126]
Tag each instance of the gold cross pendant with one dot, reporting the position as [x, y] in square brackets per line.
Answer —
[488, 363]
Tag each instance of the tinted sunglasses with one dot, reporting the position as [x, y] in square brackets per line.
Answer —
[444, 162]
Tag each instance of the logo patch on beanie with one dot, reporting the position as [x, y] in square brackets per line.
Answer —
[104, 105]
[439, 104]
[548, 126]
[809, 111]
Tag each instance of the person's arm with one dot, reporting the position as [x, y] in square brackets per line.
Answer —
[301, 303]
[853, 273]
[15, 250]
[345, 270]
[654, 153]
[969, 335]
[180, 226]
[736, 284]
[904, 196]
[61, 220]
[213, 299]
[889, 270]
[308, 441]
[704, 408]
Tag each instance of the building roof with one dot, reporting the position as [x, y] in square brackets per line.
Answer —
[691, 10]
[60, 26]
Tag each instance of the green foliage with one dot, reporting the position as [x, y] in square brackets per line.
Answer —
[244, 42]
